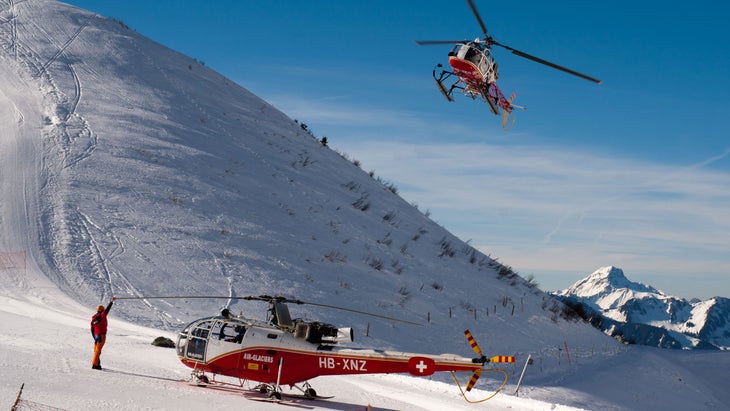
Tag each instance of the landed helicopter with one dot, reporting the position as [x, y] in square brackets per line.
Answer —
[285, 351]
[474, 70]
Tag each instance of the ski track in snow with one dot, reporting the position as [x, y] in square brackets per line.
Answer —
[61, 48]
[204, 115]
[11, 21]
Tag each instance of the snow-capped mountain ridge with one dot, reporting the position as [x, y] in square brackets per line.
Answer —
[642, 314]
[608, 278]
[608, 289]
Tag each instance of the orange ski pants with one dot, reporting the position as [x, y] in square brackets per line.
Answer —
[98, 345]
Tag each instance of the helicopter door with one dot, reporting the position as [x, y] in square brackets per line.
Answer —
[197, 341]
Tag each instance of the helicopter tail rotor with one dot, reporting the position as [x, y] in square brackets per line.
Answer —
[478, 372]
[483, 360]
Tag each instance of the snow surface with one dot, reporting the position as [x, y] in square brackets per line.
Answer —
[128, 169]
[47, 346]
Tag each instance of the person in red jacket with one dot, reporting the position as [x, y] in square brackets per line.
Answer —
[98, 331]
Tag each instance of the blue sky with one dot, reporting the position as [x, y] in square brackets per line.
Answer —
[634, 172]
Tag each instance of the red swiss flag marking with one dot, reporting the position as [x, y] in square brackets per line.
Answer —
[421, 366]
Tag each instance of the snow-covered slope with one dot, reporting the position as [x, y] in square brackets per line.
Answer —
[642, 314]
[133, 170]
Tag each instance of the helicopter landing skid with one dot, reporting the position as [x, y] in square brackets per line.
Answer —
[308, 393]
[199, 378]
[440, 83]
[469, 90]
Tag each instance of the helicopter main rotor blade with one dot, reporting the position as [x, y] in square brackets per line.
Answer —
[479, 18]
[547, 63]
[268, 298]
[434, 42]
[362, 312]
[179, 297]
[291, 301]
[211, 297]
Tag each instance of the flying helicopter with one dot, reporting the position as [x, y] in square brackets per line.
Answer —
[284, 351]
[474, 70]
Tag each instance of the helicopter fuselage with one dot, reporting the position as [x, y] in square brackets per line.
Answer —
[473, 64]
[263, 352]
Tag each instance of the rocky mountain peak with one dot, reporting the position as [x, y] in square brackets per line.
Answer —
[607, 280]
[637, 313]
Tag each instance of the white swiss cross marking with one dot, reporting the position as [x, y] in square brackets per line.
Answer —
[421, 366]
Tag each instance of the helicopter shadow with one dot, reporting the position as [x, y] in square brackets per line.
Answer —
[320, 404]
[134, 374]
[344, 406]
[326, 404]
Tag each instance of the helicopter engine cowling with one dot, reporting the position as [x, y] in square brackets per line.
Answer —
[321, 333]
[344, 335]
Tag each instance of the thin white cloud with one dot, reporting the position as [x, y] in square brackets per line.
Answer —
[539, 208]
[325, 110]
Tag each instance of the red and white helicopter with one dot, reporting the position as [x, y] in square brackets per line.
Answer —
[476, 71]
[286, 351]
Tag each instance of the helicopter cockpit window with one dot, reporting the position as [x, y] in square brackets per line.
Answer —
[218, 330]
[468, 52]
[228, 331]
[198, 340]
[202, 330]
[463, 50]
[182, 341]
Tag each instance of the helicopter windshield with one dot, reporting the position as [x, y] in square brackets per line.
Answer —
[479, 57]
[467, 52]
[194, 339]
